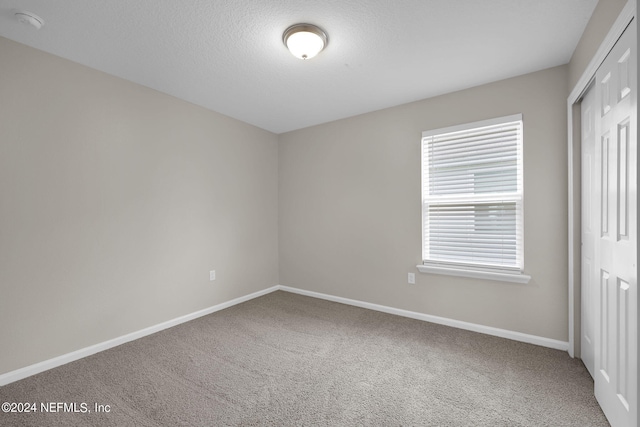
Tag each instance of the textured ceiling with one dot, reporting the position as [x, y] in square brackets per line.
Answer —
[228, 56]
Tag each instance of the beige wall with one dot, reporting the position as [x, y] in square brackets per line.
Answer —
[603, 17]
[350, 209]
[115, 202]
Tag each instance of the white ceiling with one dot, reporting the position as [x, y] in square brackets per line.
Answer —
[228, 56]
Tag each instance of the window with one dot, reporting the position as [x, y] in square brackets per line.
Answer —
[472, 200]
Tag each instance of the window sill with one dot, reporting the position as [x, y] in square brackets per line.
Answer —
[476, 274]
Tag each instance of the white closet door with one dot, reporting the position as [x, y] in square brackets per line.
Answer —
[616, 331]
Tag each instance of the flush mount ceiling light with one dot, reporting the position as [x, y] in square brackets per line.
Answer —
[304, 40]
[29, 18]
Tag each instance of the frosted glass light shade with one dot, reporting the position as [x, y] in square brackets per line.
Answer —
[304, 41]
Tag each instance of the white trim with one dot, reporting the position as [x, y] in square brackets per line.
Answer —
[37, 368]
[466, 126]
[476, 274]
[488, 330]
[28, 371]
[626, 15]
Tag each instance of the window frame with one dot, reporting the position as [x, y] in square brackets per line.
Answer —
[481, 270]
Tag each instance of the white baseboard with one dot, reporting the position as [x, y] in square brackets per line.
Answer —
[503, 333]
[28, 371]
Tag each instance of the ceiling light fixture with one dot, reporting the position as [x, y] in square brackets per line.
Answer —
[29, 18]
[305, 40]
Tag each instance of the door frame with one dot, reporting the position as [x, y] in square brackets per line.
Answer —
[627, 14]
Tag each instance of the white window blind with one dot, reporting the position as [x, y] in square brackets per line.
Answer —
[472, 195]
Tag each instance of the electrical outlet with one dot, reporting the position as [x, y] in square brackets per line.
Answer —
[212, 275]
[411, 278]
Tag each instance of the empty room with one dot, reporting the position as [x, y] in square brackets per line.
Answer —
[336, 213]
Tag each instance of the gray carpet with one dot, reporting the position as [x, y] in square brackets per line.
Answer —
[285, 359]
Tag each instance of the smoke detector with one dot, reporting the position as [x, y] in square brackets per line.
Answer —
[29, 18]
